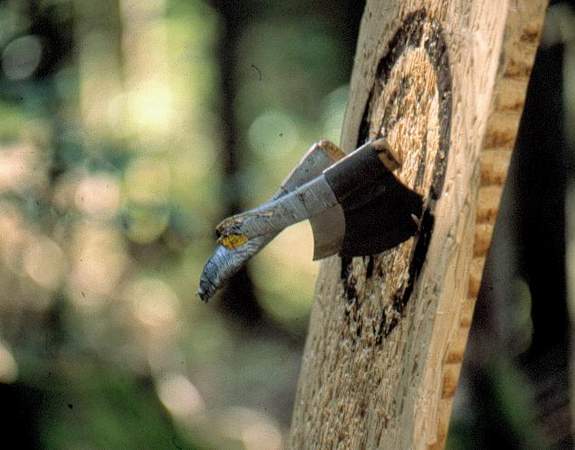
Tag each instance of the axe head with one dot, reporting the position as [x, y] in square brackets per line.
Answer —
[375, 210]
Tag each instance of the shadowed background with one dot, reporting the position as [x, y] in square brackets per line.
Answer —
[129, 129]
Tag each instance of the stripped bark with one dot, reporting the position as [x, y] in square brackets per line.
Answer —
[445, 83]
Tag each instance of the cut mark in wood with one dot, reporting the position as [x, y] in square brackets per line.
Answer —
[410, 105]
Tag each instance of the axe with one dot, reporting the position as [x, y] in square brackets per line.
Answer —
[355, 204]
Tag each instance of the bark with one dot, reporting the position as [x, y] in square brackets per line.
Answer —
[445, 83]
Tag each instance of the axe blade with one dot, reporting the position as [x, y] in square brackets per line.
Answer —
[328, 232]
[375, 210]
[383, 223]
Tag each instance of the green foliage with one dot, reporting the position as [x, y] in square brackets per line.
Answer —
[111, 182]
[88, 406]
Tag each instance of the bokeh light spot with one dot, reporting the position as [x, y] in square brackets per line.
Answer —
[144, 225]
[98, 263]
[98, 195]
[255, 430]
[272, 134]
[147, 180]
[180, 396]
[44, 262]
[8, 366]
[21, 57]
[155, 303]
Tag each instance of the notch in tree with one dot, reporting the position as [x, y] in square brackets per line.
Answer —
[445, 83]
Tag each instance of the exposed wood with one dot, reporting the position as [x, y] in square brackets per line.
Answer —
[444, 82]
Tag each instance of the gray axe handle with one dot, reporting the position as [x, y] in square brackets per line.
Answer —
[225, 262]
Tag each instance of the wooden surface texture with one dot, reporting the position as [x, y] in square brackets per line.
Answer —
[444, 82]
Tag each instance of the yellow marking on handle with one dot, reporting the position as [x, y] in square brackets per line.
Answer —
[233, 241]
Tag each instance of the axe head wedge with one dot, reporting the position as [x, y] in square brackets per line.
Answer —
[375, 210]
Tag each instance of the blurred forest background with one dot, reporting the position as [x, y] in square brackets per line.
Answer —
[129, 128]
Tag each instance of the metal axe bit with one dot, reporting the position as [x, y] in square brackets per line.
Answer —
[355, 204]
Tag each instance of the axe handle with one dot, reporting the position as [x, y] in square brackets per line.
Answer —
[366, 166]
[225, 262]
[307, 201]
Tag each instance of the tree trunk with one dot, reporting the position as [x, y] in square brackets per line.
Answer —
[445, 83]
